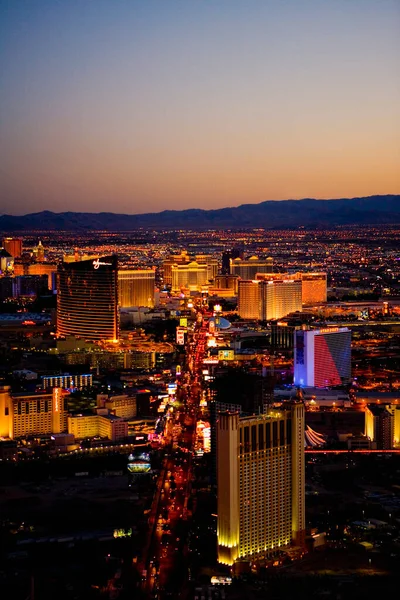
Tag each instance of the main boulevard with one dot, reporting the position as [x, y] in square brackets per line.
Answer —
[165, 556]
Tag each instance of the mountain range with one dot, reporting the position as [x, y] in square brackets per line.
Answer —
[271, 214]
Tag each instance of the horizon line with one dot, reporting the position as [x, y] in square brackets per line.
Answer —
[46, 210]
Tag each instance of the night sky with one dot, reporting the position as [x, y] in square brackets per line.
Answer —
[143, 105]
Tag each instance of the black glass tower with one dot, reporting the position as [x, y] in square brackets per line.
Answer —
[87, 298]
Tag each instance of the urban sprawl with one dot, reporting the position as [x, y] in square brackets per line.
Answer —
[200, 415]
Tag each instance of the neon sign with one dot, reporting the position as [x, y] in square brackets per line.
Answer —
[57, 394]
[97, 263]
[121, 533]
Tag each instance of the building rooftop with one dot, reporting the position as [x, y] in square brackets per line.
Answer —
[377, 409]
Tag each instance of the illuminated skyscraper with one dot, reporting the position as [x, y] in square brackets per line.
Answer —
[265, 299]
[136, 288]
[283, 297]
[322, 357]
[314, 287]
[261, 483]
[87, 298]
[249, 299]
[13, 246]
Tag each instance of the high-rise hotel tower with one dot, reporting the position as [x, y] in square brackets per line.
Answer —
[136, 288]
[87, 298]
[268, 299]
[261, 489]
[32, 413]
[322, 357]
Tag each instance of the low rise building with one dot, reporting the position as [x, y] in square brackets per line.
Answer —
[123, 406]
[104, 425]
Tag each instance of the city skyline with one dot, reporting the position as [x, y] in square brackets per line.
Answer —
[160, 421]
[139, 107]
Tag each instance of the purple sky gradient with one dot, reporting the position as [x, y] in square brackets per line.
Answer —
[142, 105]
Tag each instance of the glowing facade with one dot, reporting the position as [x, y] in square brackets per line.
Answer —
[380, 425]
[261, 483]
[265, 299]
[120, 406]
[191, 276]
[13, 246]
[247, 269]
[314, 287]
[87, 298]
[38, 252]
[105, 426]
[395, 410]
[226, 284]
[313, 284]
[174, 259]
[67, 381]
[136, 288]
[249, 300]
[322, 357]
[32, 414]
[211, 262]
[185, 272]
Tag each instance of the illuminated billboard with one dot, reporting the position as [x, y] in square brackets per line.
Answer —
[180, 335]
[172, 388]
[226, 355]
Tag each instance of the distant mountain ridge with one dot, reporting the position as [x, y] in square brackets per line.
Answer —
[309, 212]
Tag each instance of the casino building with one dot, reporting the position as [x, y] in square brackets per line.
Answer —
[322, 357]
[87, 298]
[136, 288]
[261, 483]
[40, 413]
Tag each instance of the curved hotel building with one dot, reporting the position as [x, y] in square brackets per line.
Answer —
[87, 298]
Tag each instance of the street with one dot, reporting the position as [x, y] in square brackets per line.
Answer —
[164, 561]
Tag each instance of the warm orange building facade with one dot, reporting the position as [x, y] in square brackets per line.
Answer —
[261, 483]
